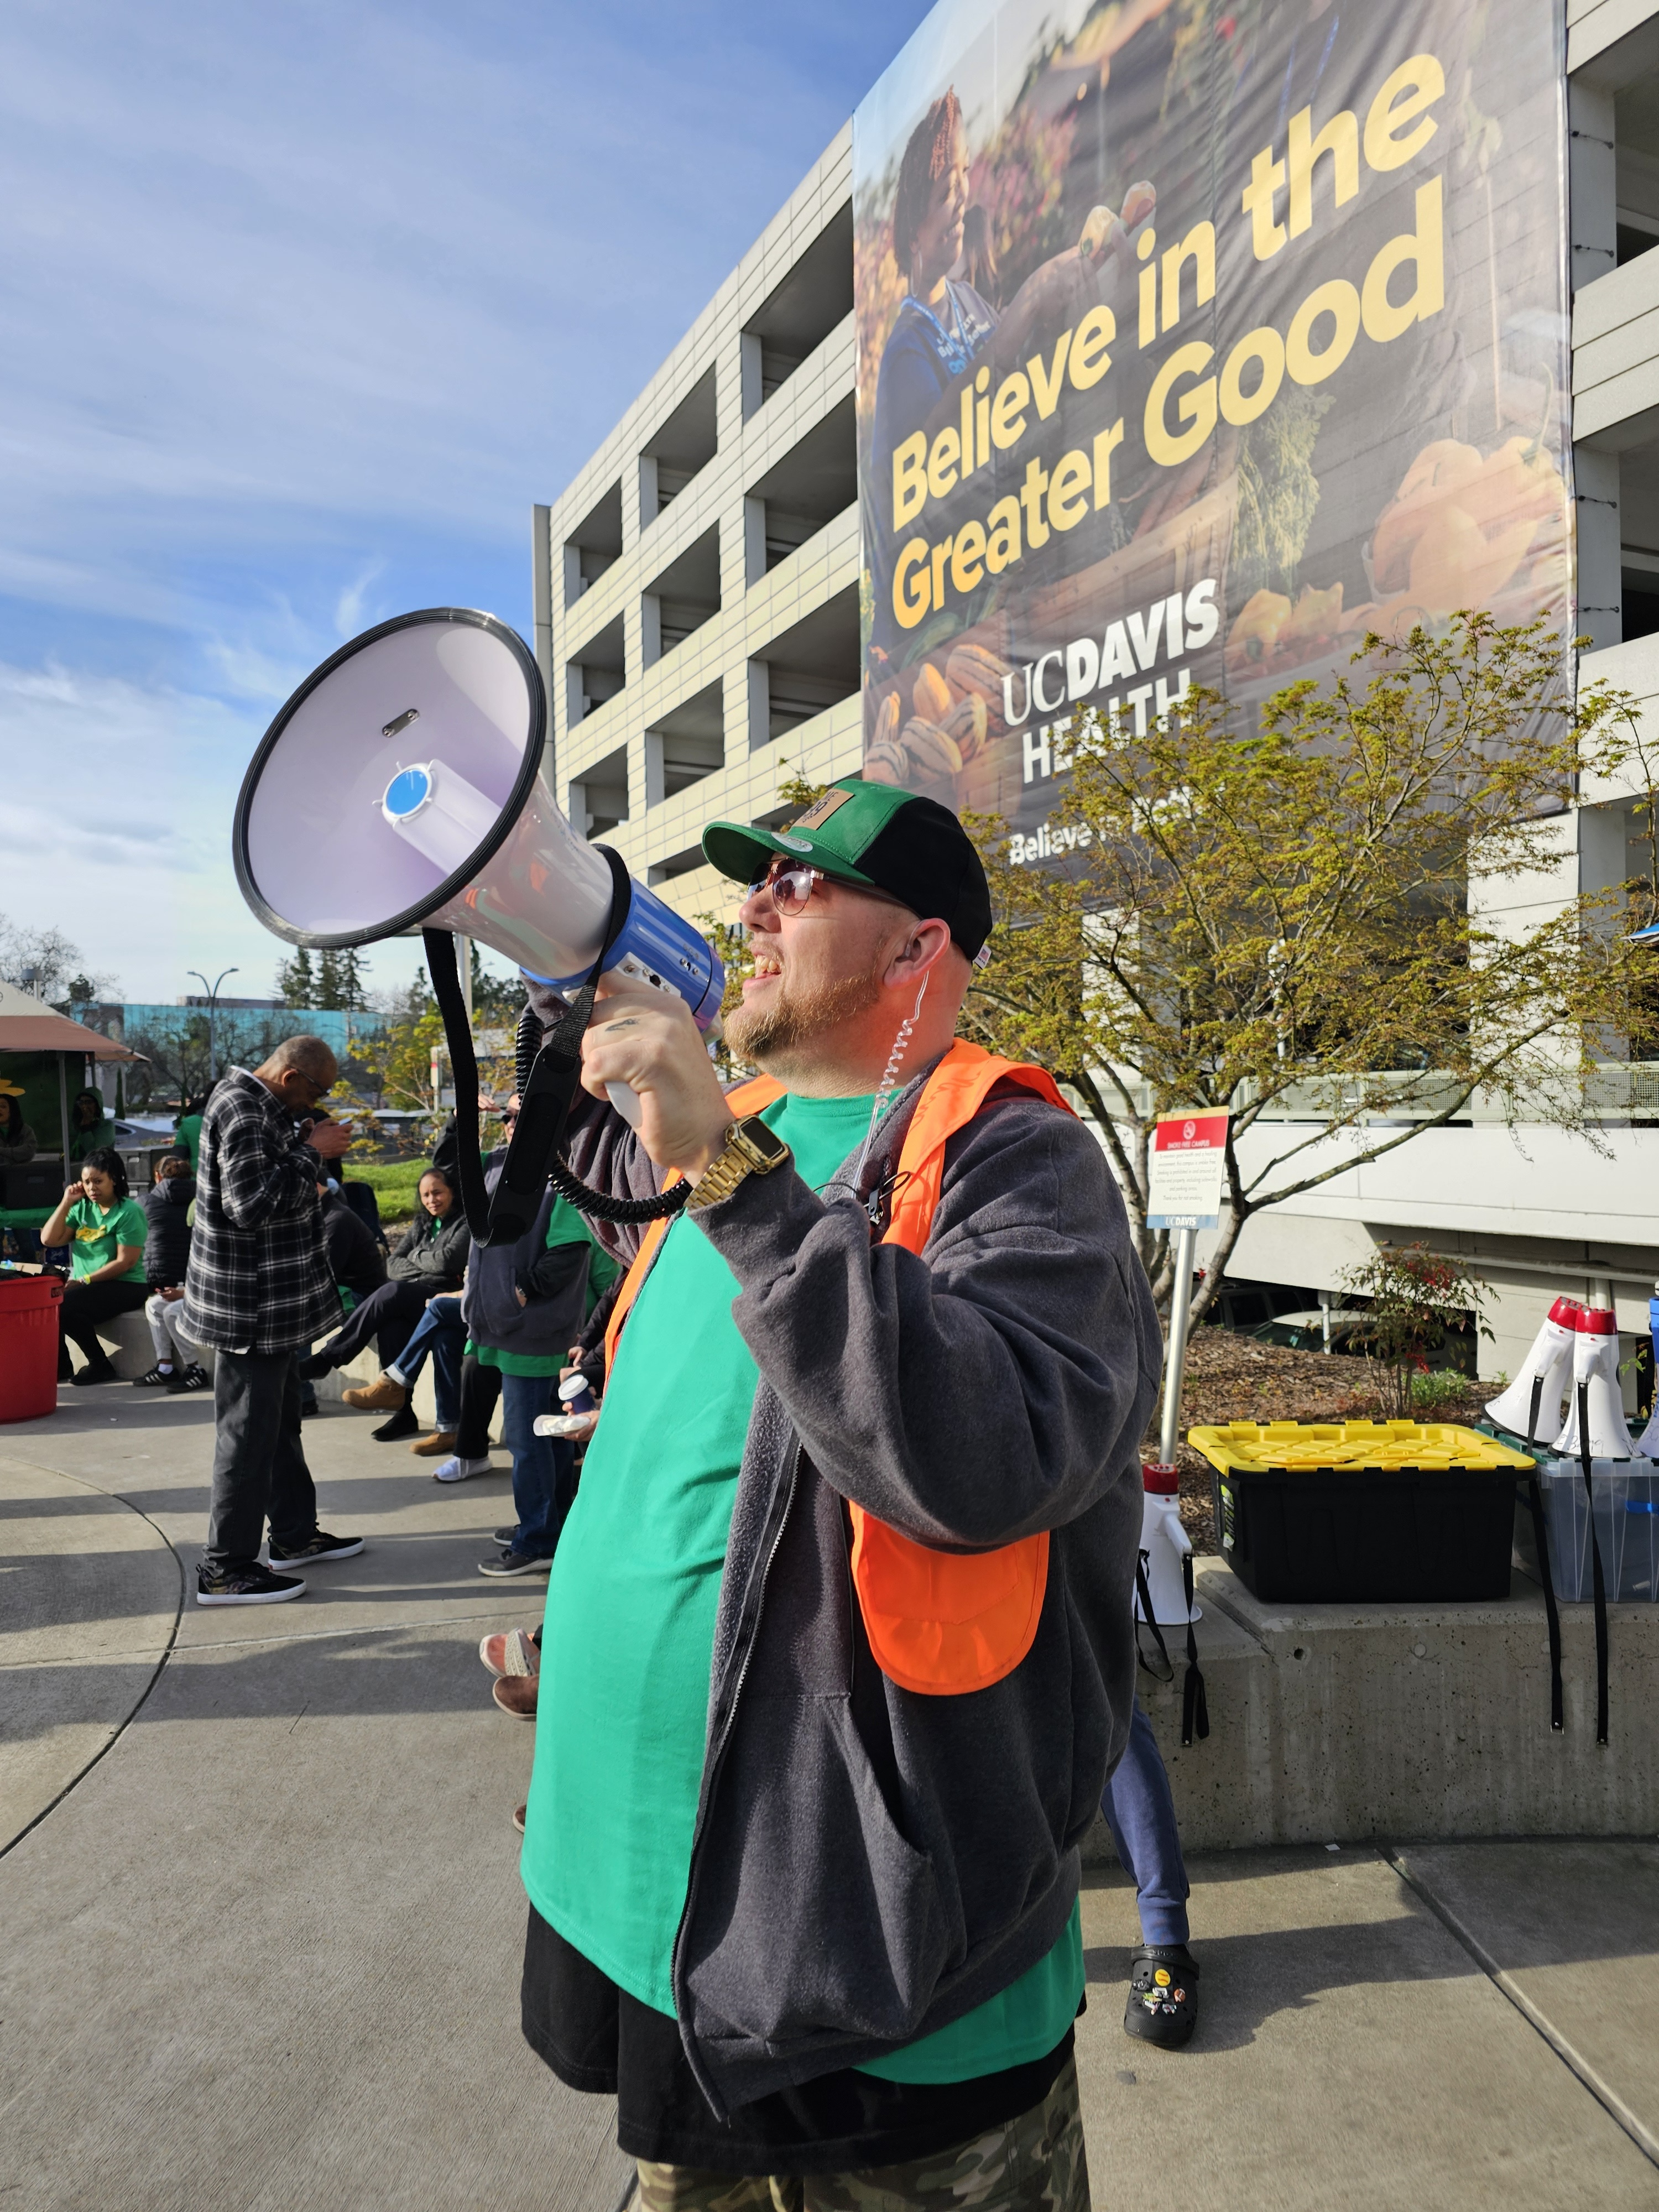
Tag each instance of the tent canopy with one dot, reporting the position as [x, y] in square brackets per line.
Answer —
[28, 1025]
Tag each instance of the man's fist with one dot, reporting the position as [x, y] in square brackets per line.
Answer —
[648, 1040]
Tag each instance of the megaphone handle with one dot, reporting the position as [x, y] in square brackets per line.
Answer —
[445, 972]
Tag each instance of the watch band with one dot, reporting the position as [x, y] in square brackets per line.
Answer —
[740, 1155]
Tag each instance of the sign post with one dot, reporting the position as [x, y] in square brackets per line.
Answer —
[1190, 1153]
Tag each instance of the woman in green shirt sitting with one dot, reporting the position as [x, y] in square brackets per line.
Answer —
[105, 1229]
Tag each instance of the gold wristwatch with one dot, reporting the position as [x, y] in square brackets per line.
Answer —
[751, 1148]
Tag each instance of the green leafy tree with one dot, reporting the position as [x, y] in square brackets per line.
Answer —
[296, 981]
[1289, 921]
[340, 982]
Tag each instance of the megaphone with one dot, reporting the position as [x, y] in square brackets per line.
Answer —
[1549, 1367]
[1166, 1545]
[1596, 1393]
[405, 785]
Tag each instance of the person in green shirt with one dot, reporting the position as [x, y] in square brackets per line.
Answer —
[814, 1926]
[105, 1228]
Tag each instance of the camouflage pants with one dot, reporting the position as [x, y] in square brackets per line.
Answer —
[1036, 2163]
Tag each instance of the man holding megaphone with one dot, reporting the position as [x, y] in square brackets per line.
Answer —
[838, 1654]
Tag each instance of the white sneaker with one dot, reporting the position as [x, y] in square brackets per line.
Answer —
[458, 1470]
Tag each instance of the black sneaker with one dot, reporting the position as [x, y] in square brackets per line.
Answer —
[1162, 2007]
[513, 1563]
[504, 1536]
[254, 1585]
[100, 1372]
[403, 1423]
[197, 1378]
[317, 1547]
[159, 1378]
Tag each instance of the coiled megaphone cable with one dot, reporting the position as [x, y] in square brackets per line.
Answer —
[545, 1096]
[528, 1043]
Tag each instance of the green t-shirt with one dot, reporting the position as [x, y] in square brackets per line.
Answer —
[628, 1643]
[189, 1133]
[565, 1226]
[94, 1232]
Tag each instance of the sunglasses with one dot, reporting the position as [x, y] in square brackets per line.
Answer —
[792, 884]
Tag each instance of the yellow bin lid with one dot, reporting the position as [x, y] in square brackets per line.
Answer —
[1364, 1446]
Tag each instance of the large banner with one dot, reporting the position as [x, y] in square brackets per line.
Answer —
[1196, 338]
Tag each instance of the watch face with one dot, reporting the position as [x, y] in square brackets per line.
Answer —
[770, 1147]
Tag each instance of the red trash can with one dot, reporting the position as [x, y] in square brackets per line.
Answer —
[28, 1346]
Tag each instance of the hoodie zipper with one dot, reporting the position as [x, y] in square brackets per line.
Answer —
[715, 1759]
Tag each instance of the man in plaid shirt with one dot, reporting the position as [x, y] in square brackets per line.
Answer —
[259, 1292]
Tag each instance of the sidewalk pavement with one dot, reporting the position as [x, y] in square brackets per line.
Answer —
[260, 1889]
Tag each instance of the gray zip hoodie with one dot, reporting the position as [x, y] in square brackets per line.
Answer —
[869, 1864]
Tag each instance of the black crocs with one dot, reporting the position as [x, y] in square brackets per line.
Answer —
[1162, 2007]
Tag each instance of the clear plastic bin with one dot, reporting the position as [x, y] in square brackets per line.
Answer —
[1626, 1494]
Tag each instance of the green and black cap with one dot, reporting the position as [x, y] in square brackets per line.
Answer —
[879, 838]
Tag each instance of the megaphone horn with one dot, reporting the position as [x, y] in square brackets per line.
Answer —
[405, 785]
[1595, 1418]
[1532, 1403]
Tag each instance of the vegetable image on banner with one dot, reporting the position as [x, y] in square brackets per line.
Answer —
[1194, 341]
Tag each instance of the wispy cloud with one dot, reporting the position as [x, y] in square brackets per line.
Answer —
[348, 607]
[301, 310]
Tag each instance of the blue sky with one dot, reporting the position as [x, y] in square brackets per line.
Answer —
[301, 308]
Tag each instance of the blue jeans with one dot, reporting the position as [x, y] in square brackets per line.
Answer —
[544, 1468]
[442, 1332]
[1141, 1812]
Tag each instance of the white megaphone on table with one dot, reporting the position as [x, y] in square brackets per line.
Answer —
[1165, 1545]
[404, 785]
[1549, 1367]
[1601, 1433]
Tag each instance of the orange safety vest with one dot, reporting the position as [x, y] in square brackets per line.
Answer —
[938, 1622]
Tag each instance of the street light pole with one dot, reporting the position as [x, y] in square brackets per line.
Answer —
[212, 990]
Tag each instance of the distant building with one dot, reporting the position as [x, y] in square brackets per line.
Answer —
[172, 1039]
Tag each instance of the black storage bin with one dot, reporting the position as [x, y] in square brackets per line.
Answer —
[40, 1182]
[1367, 1535]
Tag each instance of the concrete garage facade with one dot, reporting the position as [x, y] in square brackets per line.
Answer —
[697, 624]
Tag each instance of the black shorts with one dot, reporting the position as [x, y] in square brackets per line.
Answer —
[596, 2037]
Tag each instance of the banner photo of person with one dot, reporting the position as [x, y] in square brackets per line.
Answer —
[1195, 340]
